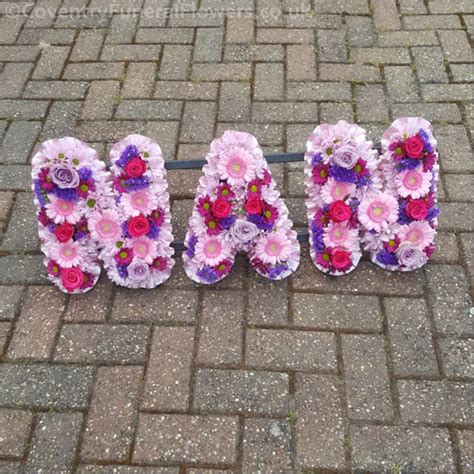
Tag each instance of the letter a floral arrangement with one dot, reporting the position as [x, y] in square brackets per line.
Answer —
[118, 216]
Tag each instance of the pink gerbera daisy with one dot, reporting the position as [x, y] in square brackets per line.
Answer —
[340, 235]
[211, 250]
[237, 165]
[414, 183]
[376, 213]
[145, 249]
[336, 191]
[274, 248]
[60, 210]
[105, 226]
[418, 233]
[139, 202]
[69, 254]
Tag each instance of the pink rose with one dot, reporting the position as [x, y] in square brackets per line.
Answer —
[340, 259]
[138, 226]
[414, 147]
[339, 211]
[417, 209]
[72, 278]
[254, 206]
[135, 167]
[221, 208]
[64, 232]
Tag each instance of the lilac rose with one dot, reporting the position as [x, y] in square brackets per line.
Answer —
[64, 176]
[346, 156]
[243, 231]
[138, 271]
[411, 256]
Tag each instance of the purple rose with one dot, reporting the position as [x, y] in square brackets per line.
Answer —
[64, 176]
[346, 156]
[138, 271]
[411, 256]
[243, 231]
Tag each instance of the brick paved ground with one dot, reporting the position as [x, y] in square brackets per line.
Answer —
[370, 372]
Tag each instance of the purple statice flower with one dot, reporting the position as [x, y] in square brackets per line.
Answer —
[38, 194]
[135, 184]
[342, 174]
[260, 222]
[387, 258]
[407, 164]
[192, 241]
[276, 271]
[154, 231]
[66, 194]
[228, 222]
[51, 228]
[85, 173]
[318, 243]
[363, 181]
[122, 270]
[125, 231]
[314, 226]
[403, 218]
[207, 274]
[433, 213]
[426, 140]
[127, 154]
[316, 159]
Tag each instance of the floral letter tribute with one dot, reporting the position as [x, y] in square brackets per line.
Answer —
[68, 183]
[340, 166]
[134, 229]
[122, 215]
[400, 224]
[237, 208]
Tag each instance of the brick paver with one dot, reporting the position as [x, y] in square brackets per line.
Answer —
[371, 372]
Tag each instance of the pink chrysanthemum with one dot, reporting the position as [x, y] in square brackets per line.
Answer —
[414, 183]
[418, 233]
[105, 226]
[336, 191]
[376, 213]
[211, 250]
[139, 202]
[60, 210]
[237, 165]
[67, 255]
[225, 191]
[323, 259]
[340, 235]
[274, 248]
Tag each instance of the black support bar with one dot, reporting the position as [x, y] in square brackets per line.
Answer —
[271, 158]
[198, 164]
